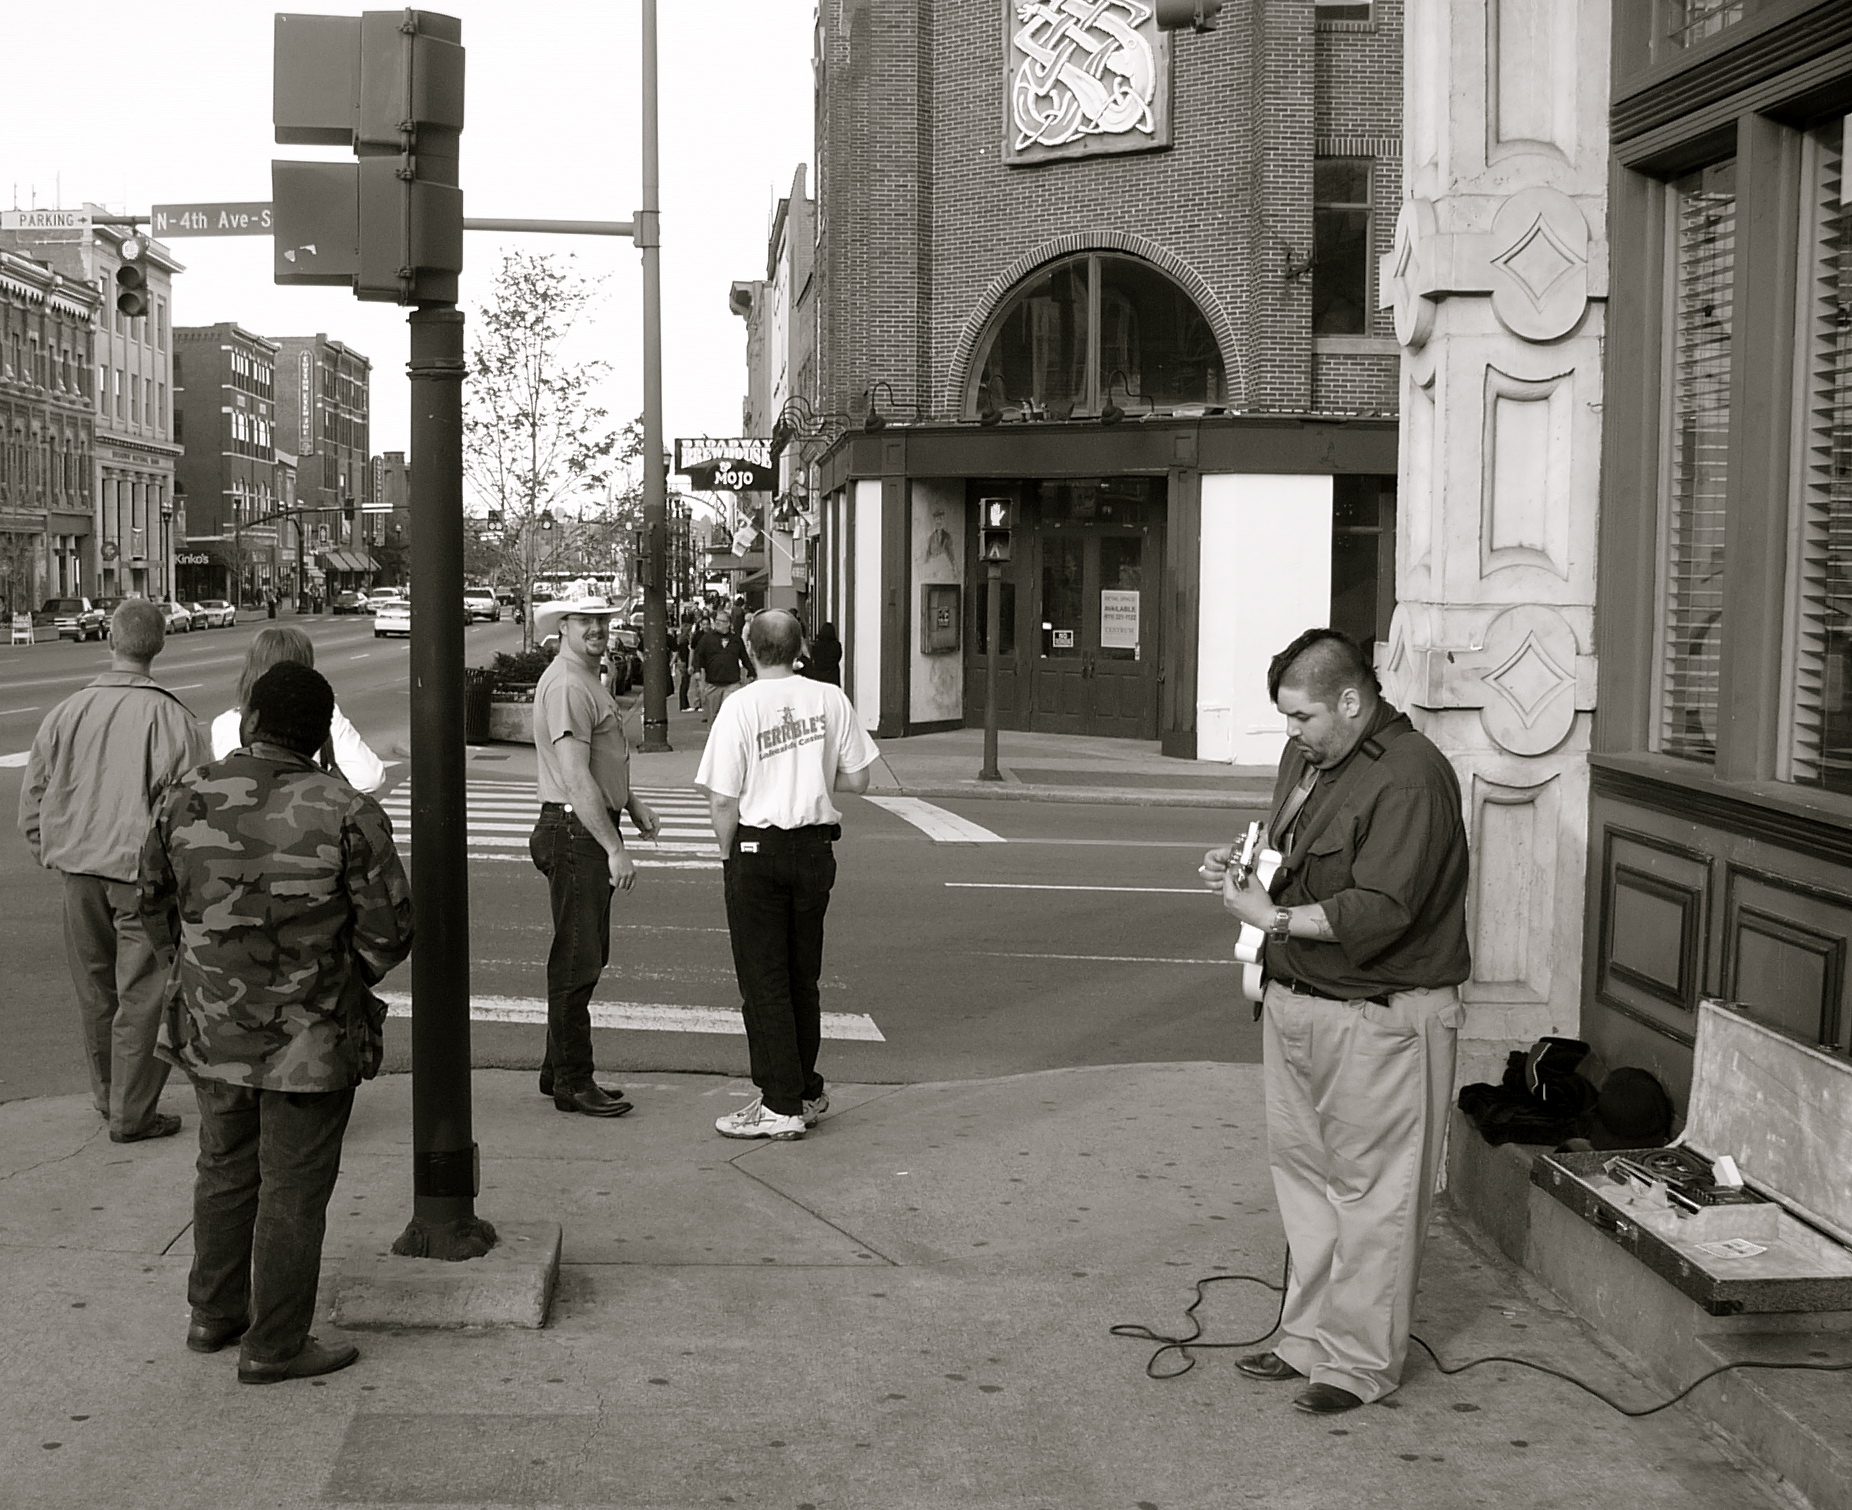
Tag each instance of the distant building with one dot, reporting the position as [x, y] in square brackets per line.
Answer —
[386, 529]
[225, 419]
[129, 545]
[323, 419]
[47, 433]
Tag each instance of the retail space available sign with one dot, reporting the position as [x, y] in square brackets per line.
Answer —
[247, 218]
[1118, 620]
[742, 464]
[44, 220]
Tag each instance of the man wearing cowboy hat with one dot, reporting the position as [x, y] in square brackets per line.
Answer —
[584, 781]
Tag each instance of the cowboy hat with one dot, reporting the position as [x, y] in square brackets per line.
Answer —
[547, 615]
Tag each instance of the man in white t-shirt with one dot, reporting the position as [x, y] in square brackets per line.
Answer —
[779, 747]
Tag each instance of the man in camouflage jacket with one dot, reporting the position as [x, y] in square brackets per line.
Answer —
[281, 891]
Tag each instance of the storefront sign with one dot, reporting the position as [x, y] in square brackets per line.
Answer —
[1118, 620]
[1083, 78]
[742, 464]
[192, 558]
[305, 371]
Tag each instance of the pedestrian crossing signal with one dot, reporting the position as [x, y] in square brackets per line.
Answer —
[997, 516]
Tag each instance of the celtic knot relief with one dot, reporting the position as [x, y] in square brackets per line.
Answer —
[1083, 69]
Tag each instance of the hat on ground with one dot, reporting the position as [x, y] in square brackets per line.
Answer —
[547, 615]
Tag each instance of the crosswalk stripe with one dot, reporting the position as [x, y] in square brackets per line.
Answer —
[649, 1017]
[935, 822]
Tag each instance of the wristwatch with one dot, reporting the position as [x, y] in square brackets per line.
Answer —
[1282, 925]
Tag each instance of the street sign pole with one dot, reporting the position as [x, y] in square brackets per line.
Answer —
[655, 485]
[993, 618]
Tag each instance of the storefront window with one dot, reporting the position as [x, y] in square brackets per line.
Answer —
[1818, 742]
[1701, 222]
[1097, 327]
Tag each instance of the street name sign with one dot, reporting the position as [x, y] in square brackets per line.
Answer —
[249, 218]
[44, 220]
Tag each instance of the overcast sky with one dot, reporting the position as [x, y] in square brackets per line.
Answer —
[133, 104]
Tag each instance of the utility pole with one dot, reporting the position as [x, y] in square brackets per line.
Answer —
[655, 483]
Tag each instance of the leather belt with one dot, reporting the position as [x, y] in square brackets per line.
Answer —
[1300, 988]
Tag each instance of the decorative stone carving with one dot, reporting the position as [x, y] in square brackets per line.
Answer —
[1539, 263]
[1084, 78]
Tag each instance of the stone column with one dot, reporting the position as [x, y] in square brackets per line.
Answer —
[1498, 280]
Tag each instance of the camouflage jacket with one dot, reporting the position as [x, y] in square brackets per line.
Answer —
[278, 887]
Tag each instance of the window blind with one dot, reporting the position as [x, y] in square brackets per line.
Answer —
[1820, 716]
[1702, 227]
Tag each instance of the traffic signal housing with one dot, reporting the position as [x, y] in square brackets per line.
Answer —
[996, 519]
[390, 85]
[132, 279]
[1174, 15]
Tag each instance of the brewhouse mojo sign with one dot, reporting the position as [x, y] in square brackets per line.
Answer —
[1083, 77]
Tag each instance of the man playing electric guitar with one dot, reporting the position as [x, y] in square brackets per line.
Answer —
[1365, 924]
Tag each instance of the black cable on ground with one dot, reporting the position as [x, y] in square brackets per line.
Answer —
[1182, 1346]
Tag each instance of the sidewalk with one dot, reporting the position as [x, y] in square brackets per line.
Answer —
[908, 1308]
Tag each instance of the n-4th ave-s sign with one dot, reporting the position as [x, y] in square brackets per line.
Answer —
[248, 219]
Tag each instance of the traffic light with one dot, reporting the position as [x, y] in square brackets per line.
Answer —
[132, 279]
[347, 511]
[996, 518]
[1173, 15]
[390, 85]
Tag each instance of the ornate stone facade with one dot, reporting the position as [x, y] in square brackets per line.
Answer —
[1498, 283]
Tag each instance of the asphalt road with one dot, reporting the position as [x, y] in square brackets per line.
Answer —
[1083, 939]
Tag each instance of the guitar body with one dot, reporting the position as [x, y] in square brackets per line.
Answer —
[1251, 945]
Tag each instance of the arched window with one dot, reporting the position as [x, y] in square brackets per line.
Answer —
[1092, 327]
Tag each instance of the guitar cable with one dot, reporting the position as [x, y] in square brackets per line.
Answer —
[1185, 1347]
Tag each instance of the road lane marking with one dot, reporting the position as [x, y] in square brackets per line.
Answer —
[187, 687]
[12, 760]
[9, 712]
[1115, 959]
[1178, 891]
[648, 1017]
[935, 822]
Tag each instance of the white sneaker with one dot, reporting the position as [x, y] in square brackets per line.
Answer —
[813, 1109]
[757, 1120]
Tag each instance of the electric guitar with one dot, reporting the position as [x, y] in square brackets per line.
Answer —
[1253, 860]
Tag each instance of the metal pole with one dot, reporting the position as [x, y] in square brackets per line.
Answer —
[994, 625]
[444, 1223]
[655, 484]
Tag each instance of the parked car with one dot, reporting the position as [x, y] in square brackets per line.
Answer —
[349, 602]
[108, 606]
[179, 617]
[214, 613]
[480, 603]
[381, 595]
[504, 596]
[393, 617]
[75, 618]
[624, 652]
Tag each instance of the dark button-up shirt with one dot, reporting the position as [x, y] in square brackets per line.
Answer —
[279, 885]
[721, 658]
[1384, 852]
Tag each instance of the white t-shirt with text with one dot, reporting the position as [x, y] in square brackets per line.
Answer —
[777, 745]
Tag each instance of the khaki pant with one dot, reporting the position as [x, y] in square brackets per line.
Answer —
[713, 695]
[1357, 1101]
[118, 976]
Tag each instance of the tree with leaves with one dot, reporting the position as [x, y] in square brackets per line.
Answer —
[532, 435]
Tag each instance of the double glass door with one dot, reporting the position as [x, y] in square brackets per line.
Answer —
[1093, 670]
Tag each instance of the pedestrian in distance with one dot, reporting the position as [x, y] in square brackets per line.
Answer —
[684, 644]
[778, 750]
[1365, 948]
[280, 890]
[584, 785]
[346, 753]
[823, 656]
[100, 762]
[720, 656]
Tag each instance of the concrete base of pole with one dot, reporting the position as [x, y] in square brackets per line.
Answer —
[464, 1237]
[510, 1286]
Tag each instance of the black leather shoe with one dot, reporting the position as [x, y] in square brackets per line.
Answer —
[315, 1359]
[615, 1092]
[1326, 1400]
[210, 1336]
[1267, 1366]
[592, 1101]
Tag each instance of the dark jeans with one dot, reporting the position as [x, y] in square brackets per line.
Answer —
[777, 895]
[579, 886]
[267, 1165]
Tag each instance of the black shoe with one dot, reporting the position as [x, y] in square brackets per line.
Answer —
[160, 1125]
[592, 1101]
[615, 1092]
[314, 1359]
[1326, 1400]
[210, 1336]
[1267, 1366]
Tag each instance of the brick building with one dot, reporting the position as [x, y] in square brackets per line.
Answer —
[386, 525]
[47, 433]
[225, 420]
[1124, 281]
[323, 419]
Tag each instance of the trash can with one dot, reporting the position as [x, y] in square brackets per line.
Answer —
[478, 693]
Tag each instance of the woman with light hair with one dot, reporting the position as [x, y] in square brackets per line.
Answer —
[345, 751]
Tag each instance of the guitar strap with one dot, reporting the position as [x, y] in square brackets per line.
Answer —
[1347, 787]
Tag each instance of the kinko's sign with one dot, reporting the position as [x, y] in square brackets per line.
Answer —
[741, 464]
